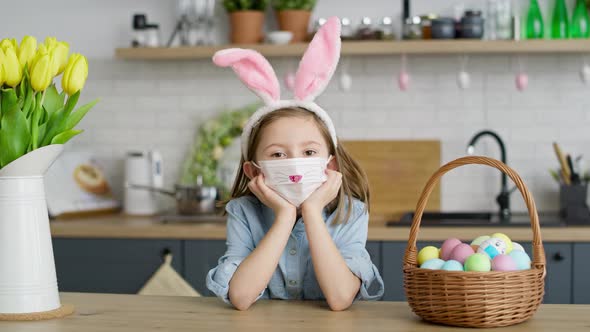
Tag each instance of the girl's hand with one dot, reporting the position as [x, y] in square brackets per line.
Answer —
[326, 193]
[270, 198]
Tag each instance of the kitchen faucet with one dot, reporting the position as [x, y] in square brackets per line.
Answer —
[503, 198]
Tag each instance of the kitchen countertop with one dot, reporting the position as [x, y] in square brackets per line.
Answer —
[131, 313]
[120, 226]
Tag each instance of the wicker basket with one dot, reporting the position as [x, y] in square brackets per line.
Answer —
[475, 299]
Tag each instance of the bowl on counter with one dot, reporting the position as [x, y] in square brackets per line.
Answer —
[279, 37]
[443, 28]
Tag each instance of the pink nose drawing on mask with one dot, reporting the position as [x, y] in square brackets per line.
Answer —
[295, 178]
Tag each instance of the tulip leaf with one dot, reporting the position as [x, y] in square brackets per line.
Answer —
[28, 102]
[71, 103]
[52, 100]
[14, 136]
[65, 136]
[35, 126]
[9, 99]
[77, 116]
[55, 125]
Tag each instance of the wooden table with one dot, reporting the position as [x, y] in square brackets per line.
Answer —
[134, 313]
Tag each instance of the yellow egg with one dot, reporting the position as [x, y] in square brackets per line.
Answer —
[506, 240]
[427, 253]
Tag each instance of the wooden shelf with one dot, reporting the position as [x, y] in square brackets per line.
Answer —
[371, 48]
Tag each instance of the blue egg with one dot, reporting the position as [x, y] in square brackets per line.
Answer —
[452, 265]
[522, 260]
[433, 264]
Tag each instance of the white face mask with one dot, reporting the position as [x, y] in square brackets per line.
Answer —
[295, 179]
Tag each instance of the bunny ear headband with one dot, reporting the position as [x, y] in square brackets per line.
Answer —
[313, 75]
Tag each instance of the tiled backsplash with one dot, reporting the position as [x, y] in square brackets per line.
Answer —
[159, 105]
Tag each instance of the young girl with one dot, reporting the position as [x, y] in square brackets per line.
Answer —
[298, 217]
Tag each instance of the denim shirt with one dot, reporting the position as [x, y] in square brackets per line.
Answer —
[294, 278]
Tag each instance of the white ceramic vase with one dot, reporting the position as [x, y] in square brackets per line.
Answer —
[28, 281]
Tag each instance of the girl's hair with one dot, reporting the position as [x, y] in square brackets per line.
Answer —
[354, 180]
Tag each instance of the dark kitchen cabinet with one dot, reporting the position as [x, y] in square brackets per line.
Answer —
[581, 285]
[392, 255]
[558, 282]
[110, 265]
[200, 257]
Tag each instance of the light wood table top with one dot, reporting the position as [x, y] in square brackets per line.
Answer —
[120, 226]
[135, 313]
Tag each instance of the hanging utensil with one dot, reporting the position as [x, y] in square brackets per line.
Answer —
[522, 78]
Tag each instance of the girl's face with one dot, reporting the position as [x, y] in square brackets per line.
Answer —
[290, 137]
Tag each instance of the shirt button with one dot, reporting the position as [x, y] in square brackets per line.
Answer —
[292, 252]
[292, 282]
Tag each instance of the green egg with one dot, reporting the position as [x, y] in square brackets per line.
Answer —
[478, 263]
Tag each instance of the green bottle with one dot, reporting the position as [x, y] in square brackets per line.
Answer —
[534, 21]
[559, 24]
[580, 27]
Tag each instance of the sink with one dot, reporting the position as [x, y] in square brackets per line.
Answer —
[477, 218]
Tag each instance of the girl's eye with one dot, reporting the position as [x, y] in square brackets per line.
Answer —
[309, 153]
[278, 155]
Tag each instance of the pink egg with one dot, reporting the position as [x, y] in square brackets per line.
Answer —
[461, 252]
[522, 81]
[503, 263]
[447, 247]
[403, 81]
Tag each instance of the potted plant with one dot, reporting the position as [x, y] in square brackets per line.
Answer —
[35, 122]
[294, 16]
[247, 20]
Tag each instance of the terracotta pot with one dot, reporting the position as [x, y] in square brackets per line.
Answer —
[296, 21]
[246, 26]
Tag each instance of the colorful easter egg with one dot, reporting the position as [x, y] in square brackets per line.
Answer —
[447, 247]
[427, 253]
[478, 240]
[522, 260]
[461, 252]
[503, 263]
[517, 246]
[478, 263]
[492, 247]
[452, 265]
[506, 240]
[433, 264]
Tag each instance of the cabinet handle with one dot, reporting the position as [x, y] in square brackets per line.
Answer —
[558, 257]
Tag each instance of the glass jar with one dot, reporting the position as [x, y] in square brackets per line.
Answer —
[346, 31]
[365, 30]
[426, 22]
[412, 28]
[386, 31]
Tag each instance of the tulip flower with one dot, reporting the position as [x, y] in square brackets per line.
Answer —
[13, 72]
[8, 43]
[26, 51]
[59, 57]
[75, 74]
[41, 70]
[1, 69]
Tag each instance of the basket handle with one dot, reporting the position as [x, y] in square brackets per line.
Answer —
[410, 257]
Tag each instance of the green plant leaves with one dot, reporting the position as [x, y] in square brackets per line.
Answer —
[65, 136]
[53, 100]
[293, 4]
[77, 116]
[14, 135]
[239, 5]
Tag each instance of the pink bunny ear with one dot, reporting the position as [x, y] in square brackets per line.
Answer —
[253, 70]
[319, 61]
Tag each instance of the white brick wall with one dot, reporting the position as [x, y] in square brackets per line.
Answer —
[159, 105]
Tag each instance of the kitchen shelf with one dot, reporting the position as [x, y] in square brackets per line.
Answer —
[371, 48]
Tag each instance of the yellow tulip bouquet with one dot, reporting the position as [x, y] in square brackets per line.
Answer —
[33, 113]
